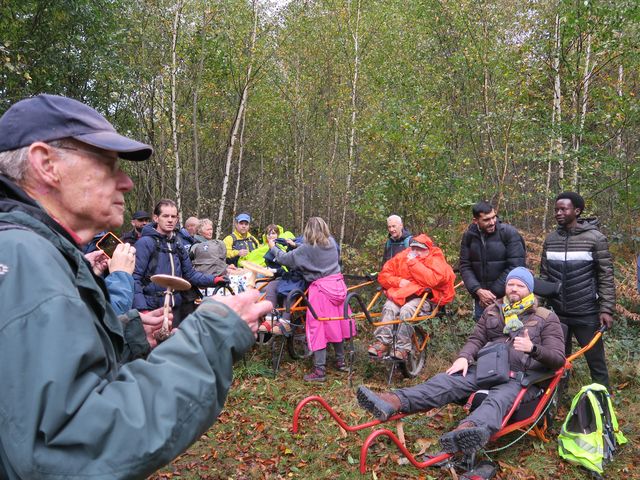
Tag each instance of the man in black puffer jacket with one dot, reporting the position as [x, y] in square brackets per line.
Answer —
[489, 250]
[577, 255]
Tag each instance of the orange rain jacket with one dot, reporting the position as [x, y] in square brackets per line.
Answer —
[432, 272]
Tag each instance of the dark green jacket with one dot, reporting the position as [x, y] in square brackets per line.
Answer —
[71, 405]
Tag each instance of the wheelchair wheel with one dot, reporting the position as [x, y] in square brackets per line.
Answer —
[415, 361]
[297, 342]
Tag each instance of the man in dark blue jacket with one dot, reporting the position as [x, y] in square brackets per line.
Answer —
[489, 250]
[159, 251]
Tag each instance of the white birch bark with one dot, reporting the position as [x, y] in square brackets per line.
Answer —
[174, 120]
[233, 136]
[556, 119]
[239, 169]
[584, 100]
[354, 111]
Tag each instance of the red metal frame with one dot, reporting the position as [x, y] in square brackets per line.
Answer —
[504, 430]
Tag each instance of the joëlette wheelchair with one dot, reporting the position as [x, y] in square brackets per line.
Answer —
[532, 417]
[421, 323]
[293, 337]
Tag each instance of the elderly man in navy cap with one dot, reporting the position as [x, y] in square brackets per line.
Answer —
[80, 397]
[533, 338]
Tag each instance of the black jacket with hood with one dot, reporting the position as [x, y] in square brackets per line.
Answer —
[486, 260]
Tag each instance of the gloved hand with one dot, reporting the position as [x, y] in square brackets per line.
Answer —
[221, 281]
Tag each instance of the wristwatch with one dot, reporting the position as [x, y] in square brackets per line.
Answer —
[534, 350]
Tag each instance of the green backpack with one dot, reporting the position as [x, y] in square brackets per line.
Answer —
[590, 434]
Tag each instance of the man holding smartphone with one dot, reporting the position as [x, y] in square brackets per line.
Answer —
[74, 403]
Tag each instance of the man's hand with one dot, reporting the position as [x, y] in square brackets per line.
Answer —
[460, 365]
[98, 261]
[404, 282]
[152, 322]
[486, 297]
[523, 344]
[242, 252]
[123, 259]
[606, 320]
[246, 307]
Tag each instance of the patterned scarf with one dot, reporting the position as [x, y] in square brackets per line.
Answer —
[511, 311]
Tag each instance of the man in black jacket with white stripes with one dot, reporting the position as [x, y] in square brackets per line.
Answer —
[577, 255]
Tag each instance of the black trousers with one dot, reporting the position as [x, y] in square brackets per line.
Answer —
[584, 331]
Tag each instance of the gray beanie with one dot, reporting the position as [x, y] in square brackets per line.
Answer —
[522, 274]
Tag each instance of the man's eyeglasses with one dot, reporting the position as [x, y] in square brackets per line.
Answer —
[112, 161]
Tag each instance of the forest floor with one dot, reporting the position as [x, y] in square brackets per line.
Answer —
[253, 437]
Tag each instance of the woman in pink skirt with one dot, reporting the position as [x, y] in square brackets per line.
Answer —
[317, 258]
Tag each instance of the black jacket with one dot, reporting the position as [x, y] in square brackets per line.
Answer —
[579, 258]
[485, 260]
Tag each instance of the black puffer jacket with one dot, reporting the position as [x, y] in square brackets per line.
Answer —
[580, 259]
[486, 260]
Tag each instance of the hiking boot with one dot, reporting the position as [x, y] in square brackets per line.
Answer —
[466, 438]
[341, 366]
[378, 349]
[401, 355]
[382, 405]
[316, 375]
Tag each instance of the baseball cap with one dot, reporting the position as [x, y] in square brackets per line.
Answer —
[417, 244]
[51, 117]
[243, 217]
[140, 214]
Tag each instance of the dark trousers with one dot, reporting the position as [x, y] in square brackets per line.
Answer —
[444, 389]
[477, 309]
[595, 357]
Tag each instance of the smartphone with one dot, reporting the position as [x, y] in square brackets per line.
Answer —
[108, 244]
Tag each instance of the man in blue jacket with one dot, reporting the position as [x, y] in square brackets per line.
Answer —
[160, 251]
[73, 403]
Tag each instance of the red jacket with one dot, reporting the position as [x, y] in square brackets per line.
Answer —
[431, 272]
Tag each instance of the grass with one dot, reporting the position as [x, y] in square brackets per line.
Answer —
[253, 438]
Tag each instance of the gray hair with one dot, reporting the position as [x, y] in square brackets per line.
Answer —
[394, 217]
[203, 223]
[14, 163]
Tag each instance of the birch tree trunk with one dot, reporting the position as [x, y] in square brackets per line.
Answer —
[556, 119]
[588, 70]
[196, 140]
[239, 170]
[174, 120]
[352, 136]
[236, 124]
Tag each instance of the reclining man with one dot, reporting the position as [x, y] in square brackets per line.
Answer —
[404, 278]
[534, 339]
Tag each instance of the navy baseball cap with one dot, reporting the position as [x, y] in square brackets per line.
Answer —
[45, 118]
[140, 214]
[243, 217]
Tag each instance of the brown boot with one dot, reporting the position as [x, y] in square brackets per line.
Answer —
[382, 405]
